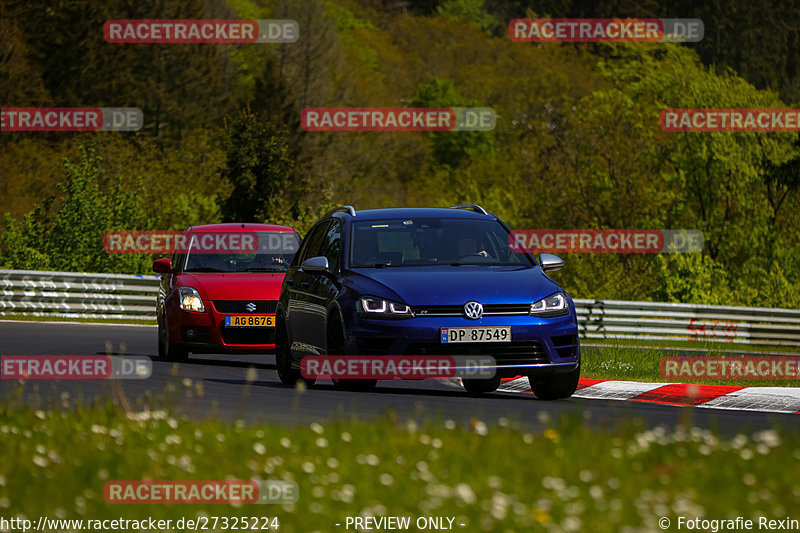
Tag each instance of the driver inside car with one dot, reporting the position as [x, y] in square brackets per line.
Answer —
[469, 246]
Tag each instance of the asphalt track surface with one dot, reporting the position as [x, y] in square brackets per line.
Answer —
[227, 394]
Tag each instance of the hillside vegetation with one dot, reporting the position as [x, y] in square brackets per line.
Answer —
[577, 142]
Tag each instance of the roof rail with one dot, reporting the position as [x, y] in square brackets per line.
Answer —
[349, 208]
[474, 207]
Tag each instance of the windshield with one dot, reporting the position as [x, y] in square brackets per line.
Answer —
[432, 241]
[274, 254]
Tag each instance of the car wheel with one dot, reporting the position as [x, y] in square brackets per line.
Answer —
[168, 350]
[336, 347]
[283, 356]
[556, 387]
[162, 349]
[481, 386]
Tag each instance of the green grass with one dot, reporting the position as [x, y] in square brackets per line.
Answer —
[694, 345]
[630, 363]
[564, 477]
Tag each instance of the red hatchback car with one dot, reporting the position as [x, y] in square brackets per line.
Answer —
[219, 291]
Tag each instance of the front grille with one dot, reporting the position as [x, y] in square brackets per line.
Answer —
[240, 306]
[458, 310]
[504, 353]
[248, 335]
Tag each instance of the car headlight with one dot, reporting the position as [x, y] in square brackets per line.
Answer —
[553, 305]
[380, 308]
[190, 300]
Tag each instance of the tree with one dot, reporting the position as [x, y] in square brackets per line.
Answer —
[732, 186]
[66, 232]
[471, 11]
[178, 87]
[450, 148]
[178, 185]
[259, 167]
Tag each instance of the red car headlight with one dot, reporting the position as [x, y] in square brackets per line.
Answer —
[191, 300]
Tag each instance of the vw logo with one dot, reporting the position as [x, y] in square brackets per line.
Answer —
[473, 310]
[250, 307]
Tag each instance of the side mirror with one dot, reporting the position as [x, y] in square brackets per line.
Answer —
[550, 262]
[162, 266]
[315, 264]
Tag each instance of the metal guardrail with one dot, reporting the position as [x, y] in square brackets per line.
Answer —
[121, 296]
[77, 295]
[614, 319]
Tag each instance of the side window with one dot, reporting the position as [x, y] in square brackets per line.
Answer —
[311, 244]
[177, 261]
[332, 245]
[179, 257]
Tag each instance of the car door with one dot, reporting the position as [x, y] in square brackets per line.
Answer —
[321, 288]
[326, 285]
[303, 310]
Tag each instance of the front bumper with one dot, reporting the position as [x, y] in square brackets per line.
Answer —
[538, 346]
[206, 333]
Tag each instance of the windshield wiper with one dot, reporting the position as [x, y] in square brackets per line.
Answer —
[457, 264]
[398, 265]
[375, 265]
[264, 269]
[205, 269]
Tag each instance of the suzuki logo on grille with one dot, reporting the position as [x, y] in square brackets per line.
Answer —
[250, 307]
[473, 310]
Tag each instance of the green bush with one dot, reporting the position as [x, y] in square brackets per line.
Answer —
[66, 232]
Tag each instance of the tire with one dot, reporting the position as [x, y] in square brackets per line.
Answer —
[173, 351]
[162, 349]
[336, 347]
[481, 386]
[283, 356]
[556, 387]
[168, 350]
